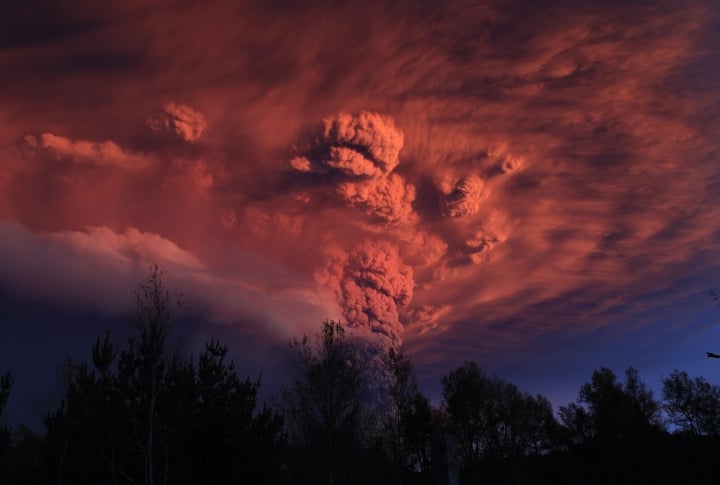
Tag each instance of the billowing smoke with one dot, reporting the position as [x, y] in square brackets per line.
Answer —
[362, 151]
[372, 285]
[373, 281]
[357, 156]
[463, 197]
[388, 198]
[370, 282]
[370, 132]
[366, 145]
[180, 121]
[423, 249]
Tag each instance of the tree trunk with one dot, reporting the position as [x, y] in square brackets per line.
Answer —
[149, 450]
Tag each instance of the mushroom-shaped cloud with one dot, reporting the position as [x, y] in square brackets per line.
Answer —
[366, 145]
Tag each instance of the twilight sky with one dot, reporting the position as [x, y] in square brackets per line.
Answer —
[534, 185]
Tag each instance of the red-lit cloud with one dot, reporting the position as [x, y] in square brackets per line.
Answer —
[366, 145]
[453, 176]
[101, 154]
[179, 120]
[388, 198]
[372, 285]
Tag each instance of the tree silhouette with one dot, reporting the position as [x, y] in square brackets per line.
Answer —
[144, 414]
[495, 421]
[6, 384]
[231, 444]
[619, 411]
[467, 395]
[693, 405]
[114, 423]
[577, 424]
[142, 372]
[323, 403]
[407, 427]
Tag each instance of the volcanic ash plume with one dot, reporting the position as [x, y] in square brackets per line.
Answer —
[366, 146]
[371, 284]
[362, 152]
[387, 198]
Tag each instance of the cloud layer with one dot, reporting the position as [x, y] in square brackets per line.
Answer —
[464, 178]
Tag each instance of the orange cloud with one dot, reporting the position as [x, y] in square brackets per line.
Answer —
[463, 198]
[372, 285]
[388, 198]
[534, 170]
[101, 154]
[364, 145]
[181, 121]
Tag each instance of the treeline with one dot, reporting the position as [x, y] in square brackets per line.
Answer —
[145, 413]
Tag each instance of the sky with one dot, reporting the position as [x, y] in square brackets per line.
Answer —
[532, 185]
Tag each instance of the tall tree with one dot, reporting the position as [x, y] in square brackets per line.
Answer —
[537, 430]
[617, 411]
[113, 419]
[692, 404]
[644, 409]
[407, 425]
[143, 414]
[493, 419]
[577, 424]
[143, 367]
[235, 444]
[323, 403]
[467, 395]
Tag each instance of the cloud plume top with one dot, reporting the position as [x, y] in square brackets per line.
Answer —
[365, 145]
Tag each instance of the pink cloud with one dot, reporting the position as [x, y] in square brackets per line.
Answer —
[498, 159]
[181, 121]
[101, 154]
[372, 285]
[462, 198]
[101, 268]
[388, 198]
[363, 145]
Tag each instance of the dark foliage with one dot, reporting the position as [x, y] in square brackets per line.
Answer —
[496, 424]
[692, 405]
[6, 383]
[145, 413]
[409, 422]
[323, 406]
